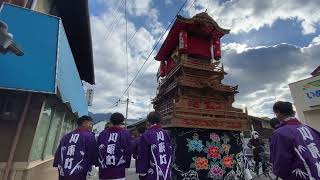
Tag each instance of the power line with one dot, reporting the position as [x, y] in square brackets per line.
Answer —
[125, 14]
[133, 36]
[115, 21]
[154, 47]
[114, 14]
[191, 5]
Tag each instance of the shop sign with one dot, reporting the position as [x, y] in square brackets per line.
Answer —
[311, 92]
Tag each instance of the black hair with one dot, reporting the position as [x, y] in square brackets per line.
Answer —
[141, 129]
[274, 122]
[83, 118]
[284, 108]
[116, 118]
[154, 117]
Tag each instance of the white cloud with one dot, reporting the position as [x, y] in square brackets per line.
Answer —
[167, 2]
[139, 7]
[263, 73]
[235, 46]
[110, 60]
[316, 40]
[246, 15]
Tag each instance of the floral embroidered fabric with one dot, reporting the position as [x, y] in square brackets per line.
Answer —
[206, 154]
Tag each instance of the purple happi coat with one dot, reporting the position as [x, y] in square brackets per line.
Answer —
[136, 144]
[114, 152]
[155, 154]
[295, 151]
[76, 154]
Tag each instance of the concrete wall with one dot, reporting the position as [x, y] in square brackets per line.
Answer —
[33, 171]
[9, 119]
[313, 118]
[22, 167]
[9, 127]
[29, 128]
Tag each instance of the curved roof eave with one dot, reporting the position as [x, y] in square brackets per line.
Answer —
[77, 27]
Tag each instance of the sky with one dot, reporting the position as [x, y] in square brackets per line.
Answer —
[271, 44]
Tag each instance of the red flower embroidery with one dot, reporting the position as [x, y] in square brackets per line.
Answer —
[227, 161]
[213, 152]
[226, 148]
[201, 163]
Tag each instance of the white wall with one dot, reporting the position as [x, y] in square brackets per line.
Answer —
[306, 113]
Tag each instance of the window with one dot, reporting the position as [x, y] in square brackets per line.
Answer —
[56, 120]
[59, 132]
[64, 128]
[40, 137]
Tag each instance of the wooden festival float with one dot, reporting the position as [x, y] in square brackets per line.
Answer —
[196, 106]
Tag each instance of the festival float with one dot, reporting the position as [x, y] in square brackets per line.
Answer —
[195, 105]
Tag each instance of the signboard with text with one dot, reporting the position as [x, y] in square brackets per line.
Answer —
[311, 92]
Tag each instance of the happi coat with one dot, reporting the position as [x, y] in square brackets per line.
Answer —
[154, 157]
[76, 154]
[115, 149]
[136, 143]
[295, 151]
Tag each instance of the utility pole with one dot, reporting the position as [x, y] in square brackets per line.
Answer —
[127, 109]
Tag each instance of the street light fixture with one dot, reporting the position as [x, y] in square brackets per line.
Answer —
[7, 43]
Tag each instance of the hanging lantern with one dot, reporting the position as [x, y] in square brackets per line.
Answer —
[163, 69]
[216, 48]
[170, 65]
[183, 41]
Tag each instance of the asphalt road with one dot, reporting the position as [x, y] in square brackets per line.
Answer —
[131, 174]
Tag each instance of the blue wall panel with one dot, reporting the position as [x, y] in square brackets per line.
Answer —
[69, 83]
[36, 34]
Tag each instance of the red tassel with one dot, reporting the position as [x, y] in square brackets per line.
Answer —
[216, 48]
[170, 65]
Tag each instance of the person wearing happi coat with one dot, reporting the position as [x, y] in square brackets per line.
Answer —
[115, 149]
[77, 152]
[295, 147]
[257, 145]
[154, 157]
[137, 141]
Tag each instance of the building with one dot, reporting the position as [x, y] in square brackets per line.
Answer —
[133, 128]
[306, 97]
[41, 91]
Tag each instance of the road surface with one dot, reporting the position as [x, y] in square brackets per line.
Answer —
[131, 174]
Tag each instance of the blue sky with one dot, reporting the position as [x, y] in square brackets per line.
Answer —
[271, 44]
